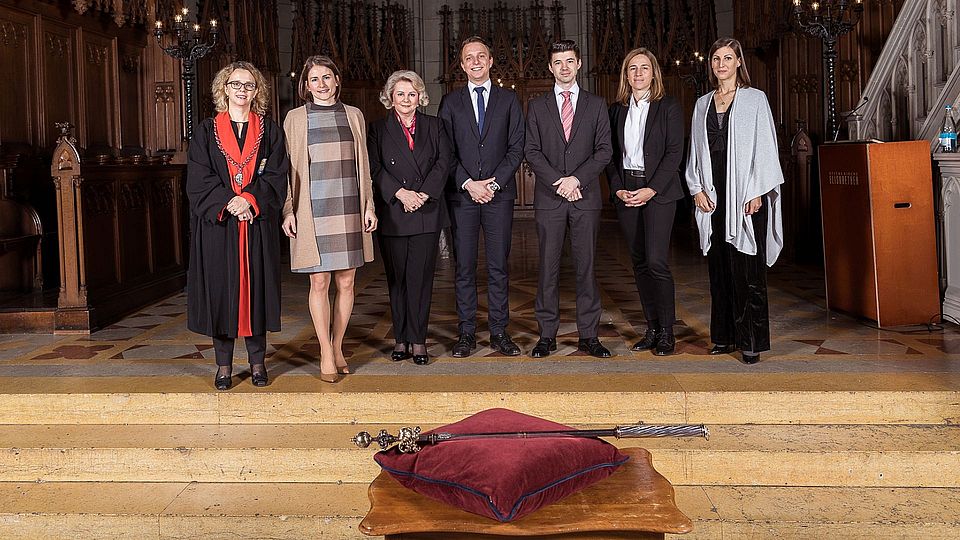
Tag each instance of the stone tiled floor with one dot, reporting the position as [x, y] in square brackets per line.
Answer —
[806, 337]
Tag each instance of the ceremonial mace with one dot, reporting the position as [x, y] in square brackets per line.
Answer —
[410, 440]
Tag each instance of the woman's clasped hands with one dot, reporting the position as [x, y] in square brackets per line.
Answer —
[240, 208]
[412, 200]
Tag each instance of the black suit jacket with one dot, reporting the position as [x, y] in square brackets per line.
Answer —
[497, 152]
[662, 150]
[584, 156]
[393, 166]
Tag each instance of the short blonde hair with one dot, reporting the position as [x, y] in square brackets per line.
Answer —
[656, 83]
[403, 75]
[261, 102]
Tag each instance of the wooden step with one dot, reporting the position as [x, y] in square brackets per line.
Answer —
[264, 510]
[813, 399]
[874, 456]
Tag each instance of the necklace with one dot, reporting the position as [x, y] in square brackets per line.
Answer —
[238, 178]
[723, 99]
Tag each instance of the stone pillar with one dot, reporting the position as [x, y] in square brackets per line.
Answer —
[950, 232]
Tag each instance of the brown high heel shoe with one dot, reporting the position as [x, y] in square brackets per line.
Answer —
[331, 378]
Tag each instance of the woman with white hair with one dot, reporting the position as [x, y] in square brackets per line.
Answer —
[410, 157]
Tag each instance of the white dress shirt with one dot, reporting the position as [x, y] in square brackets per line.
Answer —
[574, 94]
[633, 130]
[476, 112]
[473, 98]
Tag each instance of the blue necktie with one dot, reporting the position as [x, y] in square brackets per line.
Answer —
[480, 110]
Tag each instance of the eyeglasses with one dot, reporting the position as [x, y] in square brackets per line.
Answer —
[236, 85]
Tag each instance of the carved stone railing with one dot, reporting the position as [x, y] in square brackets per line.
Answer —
[914, 77]
[123, 235]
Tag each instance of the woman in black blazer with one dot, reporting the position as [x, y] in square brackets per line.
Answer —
[410, 158]
[647, 136]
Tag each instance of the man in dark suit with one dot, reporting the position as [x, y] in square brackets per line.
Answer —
[485, 124]
[567, 146]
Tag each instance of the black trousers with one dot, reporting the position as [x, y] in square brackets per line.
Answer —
[256, 349]
[551, 230]
[410, 262]
[496, 220]
[738, 290]
[647, 230]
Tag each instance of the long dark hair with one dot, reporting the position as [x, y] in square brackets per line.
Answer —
[743, 77]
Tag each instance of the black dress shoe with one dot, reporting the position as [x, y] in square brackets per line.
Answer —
[723, 349]
[594, 347]
[504, 345]
[750, 358]
[464, 346]
[397, 356]
[649, 341]
[223, 381]
[666, 344]
[543, 347]
[421, 359]
[259, 376]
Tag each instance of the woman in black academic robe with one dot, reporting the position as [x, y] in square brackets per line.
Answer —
[236, 184]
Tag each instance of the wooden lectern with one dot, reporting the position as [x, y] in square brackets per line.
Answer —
[879, 238]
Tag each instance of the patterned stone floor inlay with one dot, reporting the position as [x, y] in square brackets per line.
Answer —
[806, 337]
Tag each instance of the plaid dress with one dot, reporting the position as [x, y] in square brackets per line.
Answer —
[334, 189]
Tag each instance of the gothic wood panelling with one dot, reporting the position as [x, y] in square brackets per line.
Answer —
[131, 96]
[59, 80]
[18, 61]
[98, 62]
[62, 66]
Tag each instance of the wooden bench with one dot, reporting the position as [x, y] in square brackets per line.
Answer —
[634, 502]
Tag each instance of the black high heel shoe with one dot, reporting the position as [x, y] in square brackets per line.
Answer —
[224, 378]
[421, 359]
[398, 356]
[259, 376]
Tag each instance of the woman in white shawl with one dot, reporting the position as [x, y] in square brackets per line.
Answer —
[734, 175]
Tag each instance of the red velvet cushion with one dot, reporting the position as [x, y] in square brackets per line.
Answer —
[503, 479]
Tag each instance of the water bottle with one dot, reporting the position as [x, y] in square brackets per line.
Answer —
[948, 133]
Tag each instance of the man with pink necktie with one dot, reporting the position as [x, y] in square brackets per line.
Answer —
[567, 146]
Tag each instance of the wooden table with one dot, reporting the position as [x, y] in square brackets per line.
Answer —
[634, 502]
